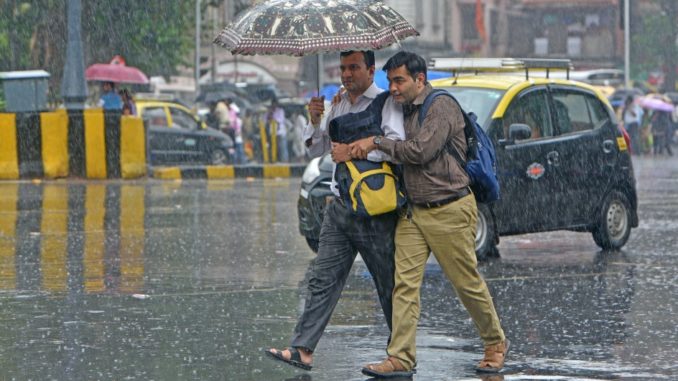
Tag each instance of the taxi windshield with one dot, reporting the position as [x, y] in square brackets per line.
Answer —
[480, 101]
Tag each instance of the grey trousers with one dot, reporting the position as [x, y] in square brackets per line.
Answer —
[342, 236]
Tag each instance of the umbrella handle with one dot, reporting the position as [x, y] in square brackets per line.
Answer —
[396, 39]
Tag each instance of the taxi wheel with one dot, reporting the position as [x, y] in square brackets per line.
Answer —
[485, 234]
[218, 157]
[613, 227]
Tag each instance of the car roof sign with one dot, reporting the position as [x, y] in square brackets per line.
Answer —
[500, 65]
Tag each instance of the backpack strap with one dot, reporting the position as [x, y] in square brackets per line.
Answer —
[429, 100]
[468, 124]
[379, 101]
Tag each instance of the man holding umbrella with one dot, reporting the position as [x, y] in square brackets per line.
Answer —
[354, 27]
[343, 234]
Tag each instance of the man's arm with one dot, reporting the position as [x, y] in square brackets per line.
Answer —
[392, 124]
[441, 122]
[316, 135]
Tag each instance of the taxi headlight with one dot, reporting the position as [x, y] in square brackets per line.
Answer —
[312, 171]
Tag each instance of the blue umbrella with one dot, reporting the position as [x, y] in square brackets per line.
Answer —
[329, 91]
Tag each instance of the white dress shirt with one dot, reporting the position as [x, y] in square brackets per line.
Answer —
[391, 123]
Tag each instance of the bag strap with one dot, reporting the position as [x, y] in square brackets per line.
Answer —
[468, 126]
[379, 101]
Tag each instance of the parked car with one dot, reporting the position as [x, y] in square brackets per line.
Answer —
[177, 136]
[562, 162]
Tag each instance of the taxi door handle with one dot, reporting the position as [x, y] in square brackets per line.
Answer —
[608, 146]
[553, 158]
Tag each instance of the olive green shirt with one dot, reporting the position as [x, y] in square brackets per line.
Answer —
[430, 172]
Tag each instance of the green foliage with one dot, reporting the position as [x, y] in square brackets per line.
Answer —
[654, 47]
[155, 35]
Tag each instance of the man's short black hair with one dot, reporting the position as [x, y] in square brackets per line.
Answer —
[414, 63]
[367, 54]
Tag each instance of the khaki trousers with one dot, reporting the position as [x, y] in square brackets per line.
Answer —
[449, 232]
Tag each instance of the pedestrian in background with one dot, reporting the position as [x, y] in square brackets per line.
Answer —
[129, 107]
[236, 126]
[632, 115]
[277, 114]
[661, 132]
[110, 100]
[441, 218]
[674, 125]
[212, 119]
[223, 114]
[297, 124]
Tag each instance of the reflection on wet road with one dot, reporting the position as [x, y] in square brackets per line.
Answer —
[173, 281]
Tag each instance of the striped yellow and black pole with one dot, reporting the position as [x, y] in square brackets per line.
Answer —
[115, 145]
[93, 144]
[33, 145]
[264, 141]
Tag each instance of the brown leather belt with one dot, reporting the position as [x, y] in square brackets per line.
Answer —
[434, 204]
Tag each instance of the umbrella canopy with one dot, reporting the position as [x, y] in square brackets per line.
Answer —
[115, 71]
[657, 104]
[301, 27]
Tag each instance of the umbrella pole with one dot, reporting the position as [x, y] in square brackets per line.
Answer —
[319, 73]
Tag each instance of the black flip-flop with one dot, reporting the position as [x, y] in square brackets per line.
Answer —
[294, 360]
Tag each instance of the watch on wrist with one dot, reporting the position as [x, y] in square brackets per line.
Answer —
[377, 140]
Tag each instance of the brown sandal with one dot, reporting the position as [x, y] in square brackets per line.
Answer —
[389, 368]
[495, 355]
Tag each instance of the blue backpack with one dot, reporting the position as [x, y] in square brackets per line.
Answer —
[481, 163]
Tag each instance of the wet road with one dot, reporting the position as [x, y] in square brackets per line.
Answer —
[190, 281]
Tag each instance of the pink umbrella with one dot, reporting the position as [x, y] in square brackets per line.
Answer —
[115, 71]
[656, 104]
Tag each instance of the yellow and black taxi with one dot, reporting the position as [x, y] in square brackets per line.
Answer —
[562, 162]
[177, 136]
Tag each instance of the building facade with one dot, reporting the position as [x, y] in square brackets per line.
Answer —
[587, 31]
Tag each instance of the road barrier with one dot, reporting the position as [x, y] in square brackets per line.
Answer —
[97, 144]
[44, 145]
[268, 171]
[114, 145]
[33, 145]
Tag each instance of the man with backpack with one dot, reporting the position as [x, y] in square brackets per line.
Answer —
[441, 217]
[343, 233]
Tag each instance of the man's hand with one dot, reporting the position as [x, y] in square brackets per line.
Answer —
[340, 153]
[316, 108]
[360, 148]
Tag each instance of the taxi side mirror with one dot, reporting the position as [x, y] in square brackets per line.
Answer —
[519, 131]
